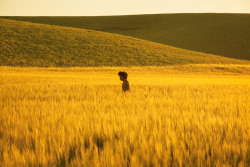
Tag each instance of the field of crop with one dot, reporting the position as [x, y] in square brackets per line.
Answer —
[41, 45]
[226, 35]
[193, 115]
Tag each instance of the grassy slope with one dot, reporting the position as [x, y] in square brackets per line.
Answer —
[221, 34]
[30, 44]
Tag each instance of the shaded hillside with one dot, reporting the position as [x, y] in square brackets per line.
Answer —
[220, 34]
[31, 44]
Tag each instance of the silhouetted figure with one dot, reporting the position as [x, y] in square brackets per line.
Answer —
[123, 77]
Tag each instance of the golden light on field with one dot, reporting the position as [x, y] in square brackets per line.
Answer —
[194, 115]
[112, 7]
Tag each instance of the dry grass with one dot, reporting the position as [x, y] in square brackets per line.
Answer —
[40, 45]
[227, 35]
[171, 116]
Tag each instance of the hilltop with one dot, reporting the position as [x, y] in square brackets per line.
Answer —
[32, 44]
[226, 35]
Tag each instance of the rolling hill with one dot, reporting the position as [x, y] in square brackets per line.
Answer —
[226, 35]
[33, 44]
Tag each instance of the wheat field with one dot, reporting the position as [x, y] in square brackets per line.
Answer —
[223, 34]
[40, 45]
[193, 115]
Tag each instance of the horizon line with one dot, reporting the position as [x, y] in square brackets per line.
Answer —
[116, 15]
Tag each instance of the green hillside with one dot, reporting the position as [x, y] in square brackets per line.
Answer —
[32, 44]
[220, 34]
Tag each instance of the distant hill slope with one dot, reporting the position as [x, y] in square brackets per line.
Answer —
[220, 34]
[31, 44]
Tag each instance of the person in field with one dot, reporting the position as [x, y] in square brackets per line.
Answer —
[123, 77]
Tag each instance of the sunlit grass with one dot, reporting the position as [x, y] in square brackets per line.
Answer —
[40, 45]
[176, 115]
[222, 34]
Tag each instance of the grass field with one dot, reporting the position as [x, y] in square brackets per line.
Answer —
[191, 115]
[40, 45]
[226, 35]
